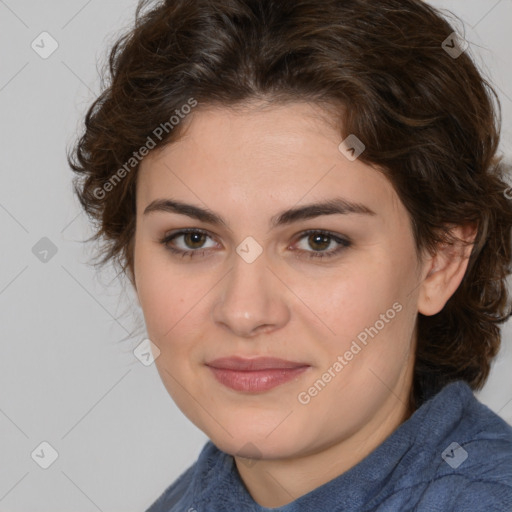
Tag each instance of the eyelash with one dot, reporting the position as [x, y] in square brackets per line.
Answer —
[312, 254]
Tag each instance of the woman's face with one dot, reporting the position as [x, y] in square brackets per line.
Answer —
[257, 286]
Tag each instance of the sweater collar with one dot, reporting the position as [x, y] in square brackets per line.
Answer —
[414, 442]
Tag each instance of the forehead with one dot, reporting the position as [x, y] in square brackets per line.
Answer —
[253, 132]
[259, 159]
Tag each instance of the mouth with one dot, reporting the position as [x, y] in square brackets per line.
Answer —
[255, 375]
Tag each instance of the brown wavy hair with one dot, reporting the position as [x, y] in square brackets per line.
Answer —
[430, 122]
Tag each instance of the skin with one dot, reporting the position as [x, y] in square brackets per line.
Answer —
[248, 166]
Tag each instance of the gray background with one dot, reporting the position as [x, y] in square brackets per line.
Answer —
[68, 375]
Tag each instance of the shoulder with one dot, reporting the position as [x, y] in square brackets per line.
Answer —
[480, 447]
[180, 494]
[469, 461]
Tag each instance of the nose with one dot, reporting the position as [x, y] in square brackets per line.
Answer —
[251, 299]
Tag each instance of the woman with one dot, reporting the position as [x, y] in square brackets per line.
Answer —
[309, 204]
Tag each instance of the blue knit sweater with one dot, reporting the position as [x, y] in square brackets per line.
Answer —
[452, 455]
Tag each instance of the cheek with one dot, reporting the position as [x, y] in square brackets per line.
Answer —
[160, 293]
[367, 307]
[348, 301]
[171, 299]
[163, 308]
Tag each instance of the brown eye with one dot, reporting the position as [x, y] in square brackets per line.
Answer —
[192, 242]
[319, 241]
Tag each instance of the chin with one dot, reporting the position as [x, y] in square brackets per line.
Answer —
[257, 445]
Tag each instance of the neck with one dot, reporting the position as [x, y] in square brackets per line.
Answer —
[278, 482]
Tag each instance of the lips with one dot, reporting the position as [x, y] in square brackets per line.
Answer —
[260, 363]
[255, 375]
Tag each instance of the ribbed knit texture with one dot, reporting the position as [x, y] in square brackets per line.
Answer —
[407, 472]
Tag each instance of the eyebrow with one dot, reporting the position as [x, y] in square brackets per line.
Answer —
[333, 206]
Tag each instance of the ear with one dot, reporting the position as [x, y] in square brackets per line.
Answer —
[445, 270]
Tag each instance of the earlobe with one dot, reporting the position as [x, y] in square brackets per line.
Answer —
[446, 269]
